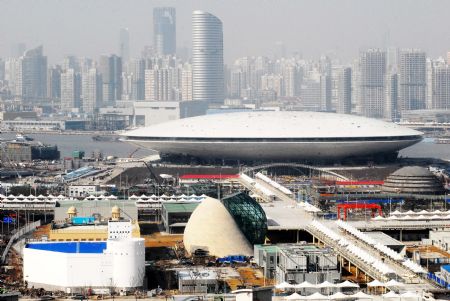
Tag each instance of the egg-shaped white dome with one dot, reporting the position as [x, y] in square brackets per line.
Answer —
[211, 227]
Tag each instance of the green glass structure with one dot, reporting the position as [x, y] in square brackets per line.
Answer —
[248, 215]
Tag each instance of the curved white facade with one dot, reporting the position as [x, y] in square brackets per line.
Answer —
[120, 265]
[285, 135]
[211, 227]
[128, 262]
[207, 57]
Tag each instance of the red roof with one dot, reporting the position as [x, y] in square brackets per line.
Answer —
[359, 182]
[209, 177]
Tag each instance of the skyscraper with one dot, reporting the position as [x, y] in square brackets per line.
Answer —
[157, 86]
[413, 79]
[31, 75]
[186, 82]
[54, 82]
[344, 91]
[325, 93]
[136, 68]
[110, 68]
[207, 58]
[92, 91]
[441, 87]
[164, 30]
[291, 80]
[372, 64]
[124, 44]
[70, 90]
[391, 111]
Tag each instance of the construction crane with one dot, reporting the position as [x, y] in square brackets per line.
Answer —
[153, 174]
[133, 152]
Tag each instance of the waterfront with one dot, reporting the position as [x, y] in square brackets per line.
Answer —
[427, 149]
[70, 142]
[67, 143]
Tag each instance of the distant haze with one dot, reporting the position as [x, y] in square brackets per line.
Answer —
[339, 28]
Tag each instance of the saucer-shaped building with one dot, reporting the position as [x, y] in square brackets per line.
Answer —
[269, 135]
[413, 180]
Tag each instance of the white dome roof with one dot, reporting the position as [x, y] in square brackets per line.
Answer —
[270, 124]
[211, 227]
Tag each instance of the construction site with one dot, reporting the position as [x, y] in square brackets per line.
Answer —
[367, 234]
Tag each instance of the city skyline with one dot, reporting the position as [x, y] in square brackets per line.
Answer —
[277, 26]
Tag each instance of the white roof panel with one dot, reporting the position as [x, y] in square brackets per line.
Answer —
[269, 124]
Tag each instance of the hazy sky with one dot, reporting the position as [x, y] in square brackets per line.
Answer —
[251, 27]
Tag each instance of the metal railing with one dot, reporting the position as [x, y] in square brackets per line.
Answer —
[17, 235]
[400, 225]
[368, 269]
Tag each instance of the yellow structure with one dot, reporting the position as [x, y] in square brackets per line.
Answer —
[115, 213]
[71, 212]
[97, 232]
[88, 233]
[80, 233]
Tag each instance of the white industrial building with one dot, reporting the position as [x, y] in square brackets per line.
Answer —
[115, 264]
[147, 113]
[82, 190]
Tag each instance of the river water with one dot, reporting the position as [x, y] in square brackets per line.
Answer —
[67, 143]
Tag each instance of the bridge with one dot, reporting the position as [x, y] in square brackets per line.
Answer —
[362, 258]
[355, 254]
[295, 165]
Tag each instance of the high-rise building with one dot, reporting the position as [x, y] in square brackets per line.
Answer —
[124, 44]
[157, 86]
[207, 58]
[291, 80]
[31, 76]
[392, 57]
[70, 90]
[372, 64]
[325, 93]
[356, 85]
[11, 65]
[91, 91]
[391, 111]
[310, 93]
[344, 91]
[110, 68]
[236, 76]
[186, 82]
[136, 69]
[54, 82]
[441, 87]
[164, 30]
[70, 62]
[412, 80]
